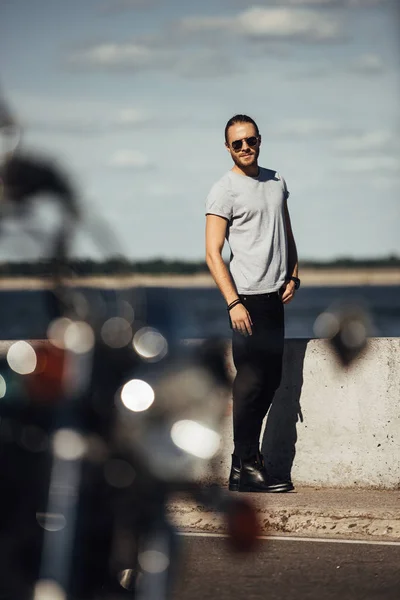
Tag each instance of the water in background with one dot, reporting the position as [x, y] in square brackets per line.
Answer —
[196, 312]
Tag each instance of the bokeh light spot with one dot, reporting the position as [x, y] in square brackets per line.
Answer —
[326, 325]
[127, 579]
[150, 344]
[195, 438]
[153, 561]
[137, 395]
[56, 331]
[47, 589]
[51, 521]
[354, 334]
[116, 332]
[79, 337]
[69, 444]
[3, 386]
[21, 358]
[127, 312]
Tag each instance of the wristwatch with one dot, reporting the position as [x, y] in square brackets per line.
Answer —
[296, 282]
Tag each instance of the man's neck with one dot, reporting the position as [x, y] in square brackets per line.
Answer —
[252, 171]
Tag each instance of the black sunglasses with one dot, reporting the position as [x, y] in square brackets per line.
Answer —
[250, 141]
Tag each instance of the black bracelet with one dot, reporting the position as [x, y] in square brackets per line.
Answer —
[233, 304]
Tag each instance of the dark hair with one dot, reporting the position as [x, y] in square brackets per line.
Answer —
[240, 119]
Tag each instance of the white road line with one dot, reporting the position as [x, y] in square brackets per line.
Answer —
[282, 538]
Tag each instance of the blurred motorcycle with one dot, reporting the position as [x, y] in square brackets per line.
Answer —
[101, 424]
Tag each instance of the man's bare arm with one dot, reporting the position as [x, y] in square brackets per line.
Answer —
[215, 239]
[293, 265]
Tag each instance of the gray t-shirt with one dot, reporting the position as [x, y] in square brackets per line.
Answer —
[255, 210]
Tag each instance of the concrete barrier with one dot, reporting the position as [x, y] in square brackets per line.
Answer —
[330, 426]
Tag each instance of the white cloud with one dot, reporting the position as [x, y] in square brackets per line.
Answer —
[366, 3]
[164, 48]
[312, 2]
[368, 64]
[84, 121]
[86, 127]
[302, 128]
[194, 45]
[372, 164]
[325, 3]
[115, 6]
[206, 62]
[269, 23]
[112, 55]
[129, 159]
[367, 142]
[131, 116]
[380, 181]
[194, 63]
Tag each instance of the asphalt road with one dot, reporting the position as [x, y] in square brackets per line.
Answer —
[282, 569]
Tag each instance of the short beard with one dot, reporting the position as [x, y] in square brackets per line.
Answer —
[238, 161]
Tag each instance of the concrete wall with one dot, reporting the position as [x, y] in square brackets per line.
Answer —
[331, 426]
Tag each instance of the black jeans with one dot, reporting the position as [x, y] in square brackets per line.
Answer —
[258, 362]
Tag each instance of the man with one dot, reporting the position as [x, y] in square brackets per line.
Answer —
[248, 207]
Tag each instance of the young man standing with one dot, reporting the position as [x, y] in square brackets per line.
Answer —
[248, 207]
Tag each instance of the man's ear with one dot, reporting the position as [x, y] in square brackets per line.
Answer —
[227, 146]
[259, 137]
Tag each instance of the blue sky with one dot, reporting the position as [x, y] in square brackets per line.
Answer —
[133, 96]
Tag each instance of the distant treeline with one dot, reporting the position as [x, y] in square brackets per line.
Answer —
[340, 263]
[121, 266]
[112, 266]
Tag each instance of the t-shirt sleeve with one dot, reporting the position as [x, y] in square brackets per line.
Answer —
[219, 202]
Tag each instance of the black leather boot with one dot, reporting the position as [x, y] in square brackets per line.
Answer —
[234, 477]
[250, 475]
